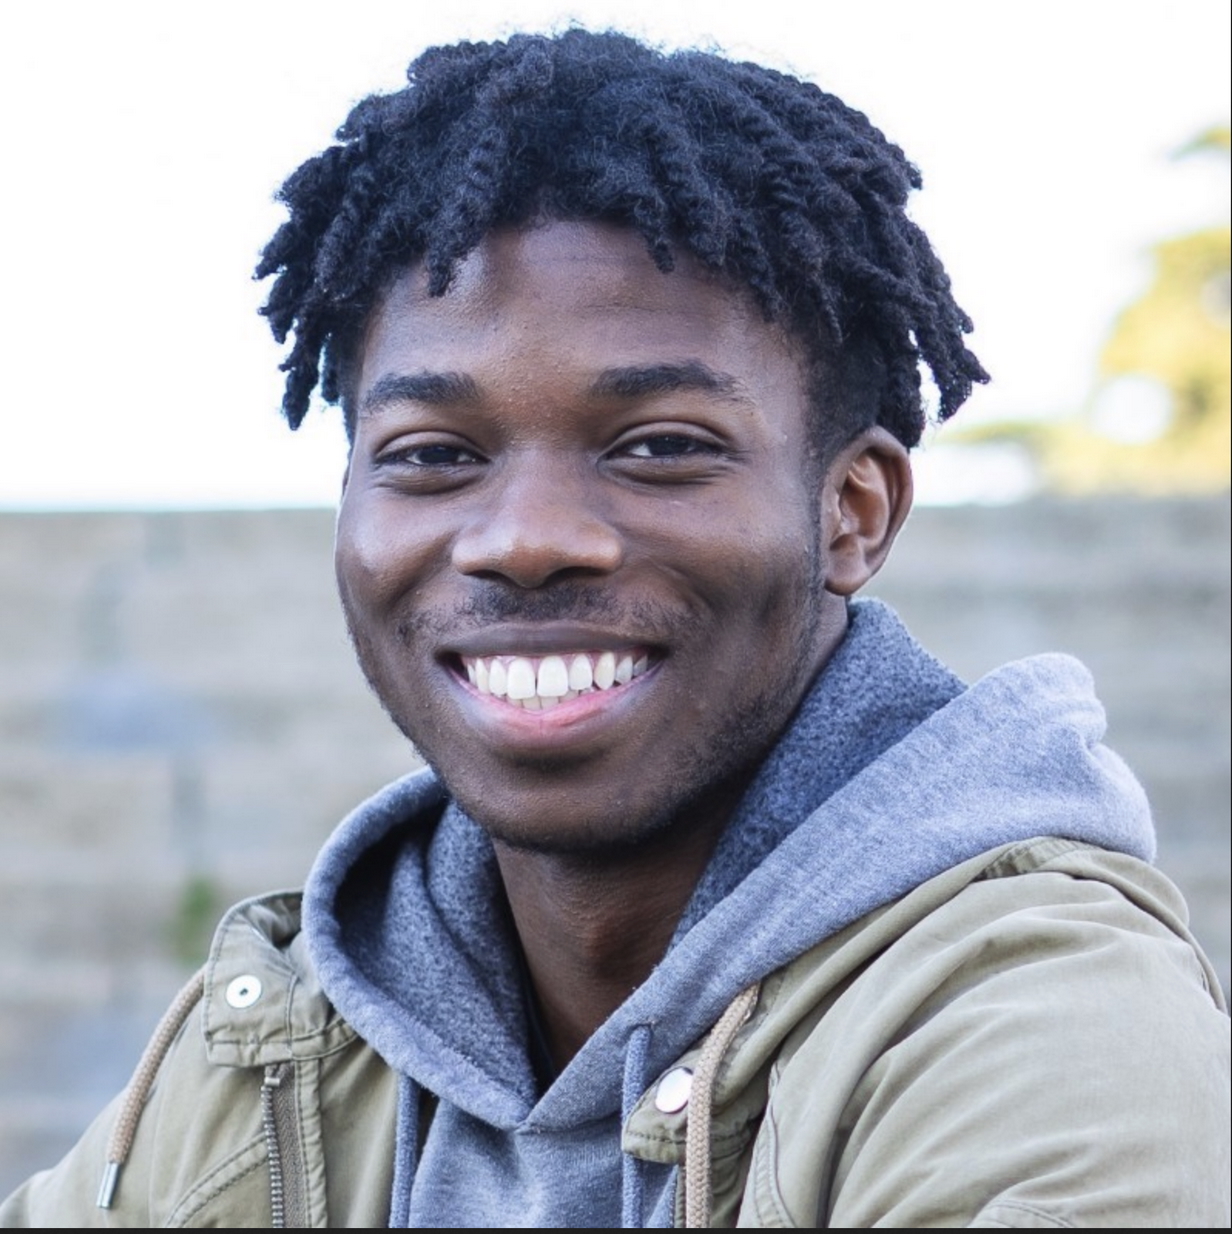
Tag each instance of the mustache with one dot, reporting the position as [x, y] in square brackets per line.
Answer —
[493, 603]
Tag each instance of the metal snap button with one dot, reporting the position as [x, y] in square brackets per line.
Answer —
[672, 1095]
[243, 991]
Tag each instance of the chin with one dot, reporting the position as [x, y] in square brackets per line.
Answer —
[690, 816]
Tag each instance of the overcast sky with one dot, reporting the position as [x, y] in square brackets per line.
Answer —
[144, 142]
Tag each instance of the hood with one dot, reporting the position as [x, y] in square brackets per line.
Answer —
[890, 773]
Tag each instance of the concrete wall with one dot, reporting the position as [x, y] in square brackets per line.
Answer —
[181, 723]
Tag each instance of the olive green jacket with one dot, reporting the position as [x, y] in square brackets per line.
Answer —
[1028, 1040]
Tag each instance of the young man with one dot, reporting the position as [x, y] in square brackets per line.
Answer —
[723, 901]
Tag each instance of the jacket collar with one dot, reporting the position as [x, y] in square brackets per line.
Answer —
[263, 1003]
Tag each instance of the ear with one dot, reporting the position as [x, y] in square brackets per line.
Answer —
[865, 500]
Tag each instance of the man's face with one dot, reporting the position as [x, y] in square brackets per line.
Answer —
[579, 546]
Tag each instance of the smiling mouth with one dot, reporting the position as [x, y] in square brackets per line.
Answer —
[538, 683]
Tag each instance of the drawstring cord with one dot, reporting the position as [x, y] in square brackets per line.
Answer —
[406, 1153]
[120, 1143]
[697, 1200]
[632, 1183]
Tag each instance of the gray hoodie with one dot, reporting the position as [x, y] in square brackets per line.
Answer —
[890, 773]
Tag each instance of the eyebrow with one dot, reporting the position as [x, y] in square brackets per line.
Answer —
[434, 389]
[645, 381]
[626, 382]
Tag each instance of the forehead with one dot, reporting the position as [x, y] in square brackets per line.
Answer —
[570, 300]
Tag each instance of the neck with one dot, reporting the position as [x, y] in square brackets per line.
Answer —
[593, 925]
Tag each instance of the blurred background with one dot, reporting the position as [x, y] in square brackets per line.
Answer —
[180, 720]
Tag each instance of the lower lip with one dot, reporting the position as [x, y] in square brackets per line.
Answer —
[556, 721]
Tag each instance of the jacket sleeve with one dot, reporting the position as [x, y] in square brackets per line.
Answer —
[200, 1153]
[199, 1137]
[66, 1195]
[1039, 1053]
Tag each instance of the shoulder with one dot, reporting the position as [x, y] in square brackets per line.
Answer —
[194, 1129]
[1030, 1039]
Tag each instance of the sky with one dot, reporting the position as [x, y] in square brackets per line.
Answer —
[145, 141]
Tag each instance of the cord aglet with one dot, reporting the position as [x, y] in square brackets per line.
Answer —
[107, 1188]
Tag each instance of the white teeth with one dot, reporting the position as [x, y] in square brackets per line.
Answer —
[605, 671]
[537, 684]
[521, 683]
[553, 680]
[580, 676]
[498, 678]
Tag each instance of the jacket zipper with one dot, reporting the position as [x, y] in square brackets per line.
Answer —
[269, 1120]
[288, 1209]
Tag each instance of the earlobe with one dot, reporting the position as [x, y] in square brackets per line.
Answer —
[866, 499]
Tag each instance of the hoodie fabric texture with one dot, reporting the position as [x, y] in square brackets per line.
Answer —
[890, 773]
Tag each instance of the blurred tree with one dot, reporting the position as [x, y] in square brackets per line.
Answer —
[1160, 420]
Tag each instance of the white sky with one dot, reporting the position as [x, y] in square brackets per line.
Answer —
[145, 140]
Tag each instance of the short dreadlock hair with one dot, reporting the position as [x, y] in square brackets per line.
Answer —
[766, 180]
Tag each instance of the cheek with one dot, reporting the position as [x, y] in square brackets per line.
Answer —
[775, 588]
[356, 561]
[741, 552]
[380, 553]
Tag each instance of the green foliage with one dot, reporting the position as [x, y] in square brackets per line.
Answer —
[196, 914]
[1177, 334]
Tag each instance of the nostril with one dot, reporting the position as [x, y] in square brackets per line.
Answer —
[530, 552]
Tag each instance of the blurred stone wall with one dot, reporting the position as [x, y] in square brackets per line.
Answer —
[181, 724]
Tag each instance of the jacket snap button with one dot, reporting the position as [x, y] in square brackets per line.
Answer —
[243, 991]
[672, 1095]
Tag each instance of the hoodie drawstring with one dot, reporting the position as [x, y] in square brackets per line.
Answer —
[697, 1200]
[406, 1153]
[120, 1143]
[632, 1182]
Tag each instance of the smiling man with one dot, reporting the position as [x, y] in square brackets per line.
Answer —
[722, 901]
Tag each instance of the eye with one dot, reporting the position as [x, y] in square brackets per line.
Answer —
[426, 463]
[437, 455]
[428, 455]
[671, 454]
[668, 445]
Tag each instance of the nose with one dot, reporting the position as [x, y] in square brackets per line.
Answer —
[543, 521]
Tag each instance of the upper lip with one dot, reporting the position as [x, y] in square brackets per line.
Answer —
[552, 638]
